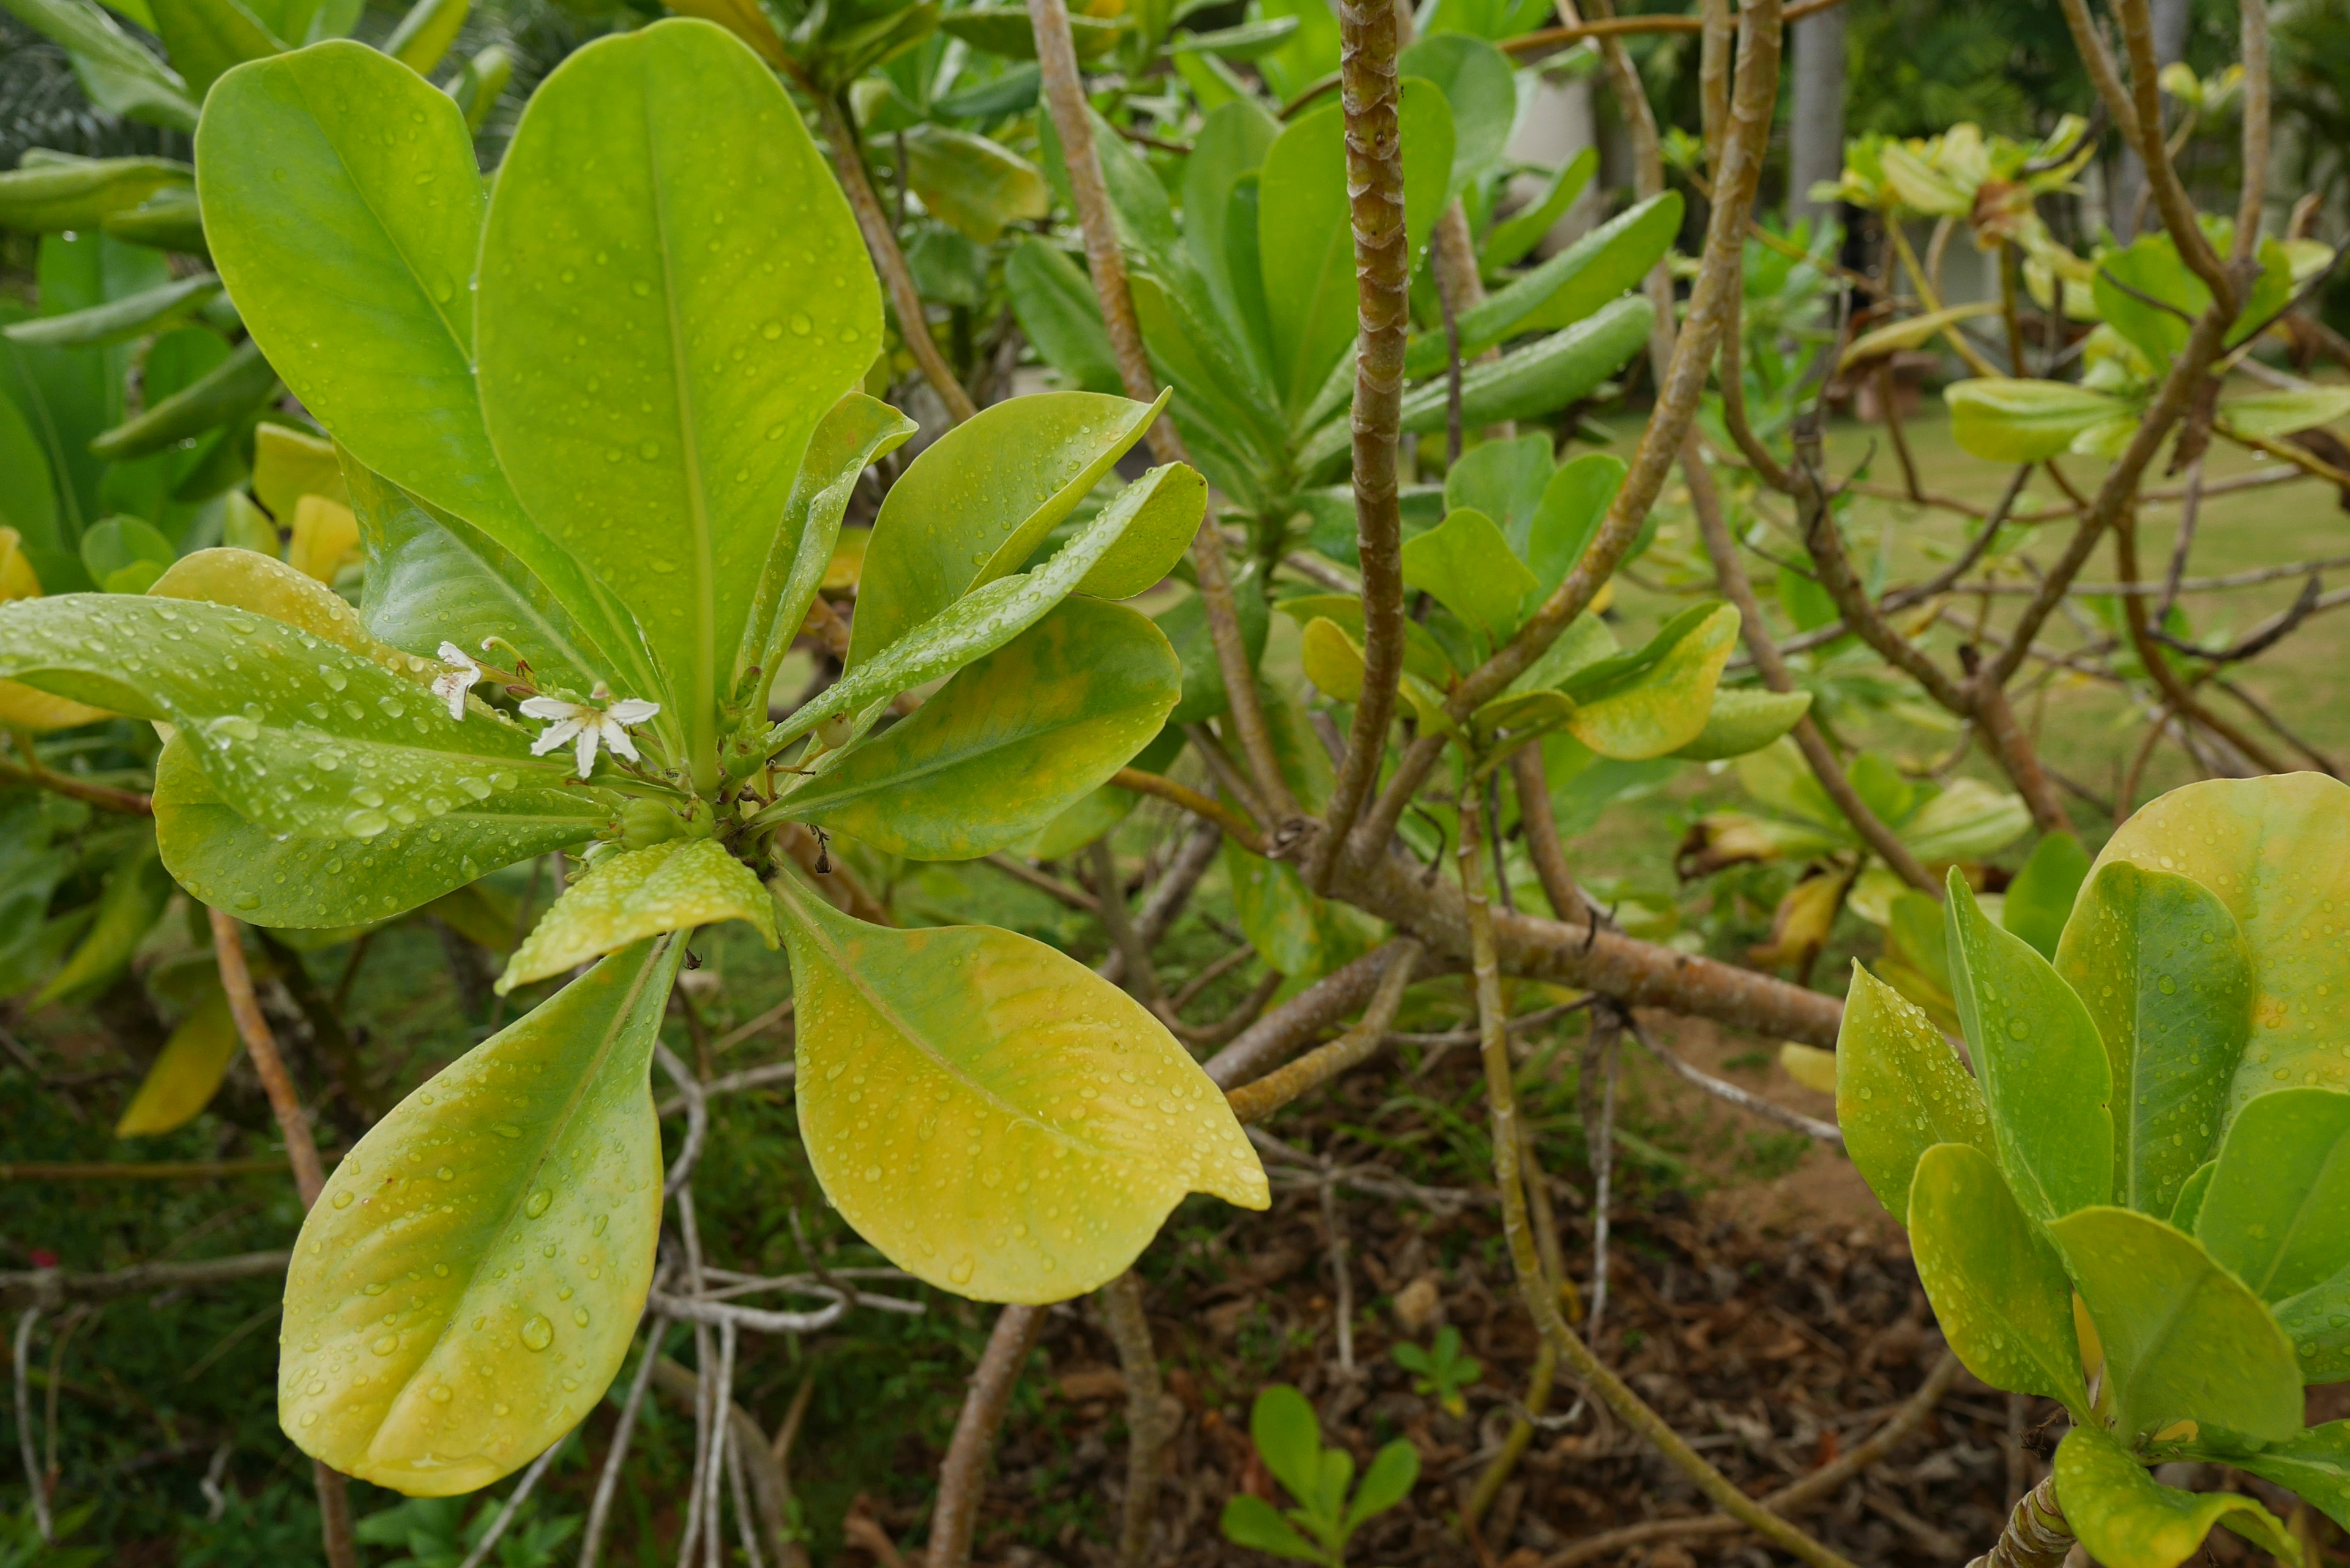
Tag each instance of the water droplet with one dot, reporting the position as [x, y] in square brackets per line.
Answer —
[960, 1273]
[385, 1343]
[536, 1204]
[365, 824]
[438, 1394]
[801, 324]
[342, 1200]
[579, 1316]
[537, 1334]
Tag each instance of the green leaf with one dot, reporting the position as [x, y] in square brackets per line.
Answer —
[117, 73]
[1665, 700]
[128, 908]
[1232, 144]
[2185, 1211]
[992, 1114]
[425, 33]
[1389, 1479]
[1466, 565]
[1507, 243]
[117, 542]
[360, 254]
[1574, 504]
[630, 895]
[983, 619]
[2151, 267]
[1421, 655]
[1307, 240]
[1250, 1521]
[858, 431]
[240, 383]
[2277, 1213]
[2315, 1465]
[2126, 1519]
[2043, 1067]
[329, 884]
[1901, 1090]
[978, 503]
[1099, 811]
[1563, 289]
[1480, 89]
[1311, 54]
[2040, 898]
[1186, 628]
[1968, 821]
[2168, 980]
[1014, 740]
[2281, 411]
[187, 1073]
[672, 296]
[302, 737]
[2276, 852]
[1057, 311]
[118, 321]
[2184, 1339]
[1249, 41]
[1503, 479]
[28, 496]
[2002, 419]
[206, 38]
[971, 183]
[1998, 1292]
[1297, 932]
[2317, 1321]
[470, 1280]
[1289, 1438]
[1742, 721]
[1005, 30]
[50, 197]
[1157, 539]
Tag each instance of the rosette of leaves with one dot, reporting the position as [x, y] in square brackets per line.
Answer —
[2135, 1203]
[598, 430]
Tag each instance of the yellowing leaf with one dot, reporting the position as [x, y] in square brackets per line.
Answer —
[288, 464]
[628, 895]
[22, 708]
[185, 1078]
[1809, 1065]
[1332, 661]
[1666, 707]
[17, 578]
[469, 1280]
[1913, 333]
[246, 579]
[992, 1114]
[325, 537]
[840, 572]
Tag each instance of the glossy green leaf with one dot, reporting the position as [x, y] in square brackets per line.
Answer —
[206, 38]
[978, 502]
[2280, 411]
[2040, 898]
[425, 33]
[1096, 813]
[169, 220]
[852, 436]
[1480, 88]
[241, 383]
[469, 1280]
[1969, 820]
[300, 736]
[1249, 41]
[1743, 720]
[2276, 852]
[1666, 703]
[2184, 1339]
[120, 321]
[665, 237]
[183, 1080]
[1901, 1090]
[1999, 1293]
[1467, 566]
[2317, 1321]
[630, 895]
[1249, 1521]
[1507, 243]
[976, 185]
[1421, 655]
[2126, 1519]
[2167, 977]
[2002, 419]
[75, 194]
[1054, 301]
[2188, 1206]
[1564, 288]
[2043, 1067]
[1289, 1438]
[1311, 54]
[329, 884]
[2277, 1213]
[1306, 241]
[1503, 479]
[983, 619]
[1230, 145]
[1159, 537]
[481, 83]
[116, 72]
[28, 496]
[1574, 504]
[1009, 744]
[2315, 1465]
[128, 908]
[110, 546]
[992, 1114]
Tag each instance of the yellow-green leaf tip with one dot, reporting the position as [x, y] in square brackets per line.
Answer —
[628, 895]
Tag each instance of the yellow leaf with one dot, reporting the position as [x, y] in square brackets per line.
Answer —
[840, 572]
[1332, 661]
[22, 708]
[325, 537]
[631, 894]
[187, 1075]
[17, 578]
[1810, 1066]
[288, 464]
[994, 1116]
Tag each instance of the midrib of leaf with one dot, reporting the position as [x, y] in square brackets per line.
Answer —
[906, 1032]
[60, 479]
[1301, 373]
[700, 717]
[2260, 1287]
[570, 1112]
[942, 763]
[523, 608]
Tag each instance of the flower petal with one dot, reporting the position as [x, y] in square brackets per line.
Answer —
[555, 735]
[632, 711]
[553, 708]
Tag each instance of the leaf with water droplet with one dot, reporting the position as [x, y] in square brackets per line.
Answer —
[572, 1075]
[631, 894]
[1997, 1290]
[939, 1057]
[2126, 1519]
[1899, 1088]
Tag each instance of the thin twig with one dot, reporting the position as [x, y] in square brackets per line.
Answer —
[962, 1478]
[591, 1547]
[1744, 1099]
[514, 1500]
[35, 1482]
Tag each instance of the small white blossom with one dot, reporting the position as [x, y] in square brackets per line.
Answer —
[589, 726]
[460, 677]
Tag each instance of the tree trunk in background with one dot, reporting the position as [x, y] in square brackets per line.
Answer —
[1816, 144]
[2129, 175]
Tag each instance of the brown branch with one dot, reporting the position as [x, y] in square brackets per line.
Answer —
[1110, 909]
[309, 1179]
[962, 1479]
[2157, 660]
[106, 798]
[1371, 95]
[1255, 1101]
[1053, 887]
[1230, 1024]
[882, 240]
[1543, 843]
[137, 1170]
[1192, 801]
[2171, 198]
[1147, 1428]
[2037, 1535]
[1272, 1039]
[1541, 1301]
[1605, 28]
[1065, 98]
[50, 1289]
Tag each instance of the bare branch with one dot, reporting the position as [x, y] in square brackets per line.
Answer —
[963, 1476]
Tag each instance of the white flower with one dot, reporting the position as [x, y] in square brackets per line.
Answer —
[460, 677]
[589, 726]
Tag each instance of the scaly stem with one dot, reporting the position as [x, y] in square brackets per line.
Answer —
[2037, 1535]
[1517, 1229]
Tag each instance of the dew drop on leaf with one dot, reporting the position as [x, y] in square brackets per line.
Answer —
[537, 1334]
